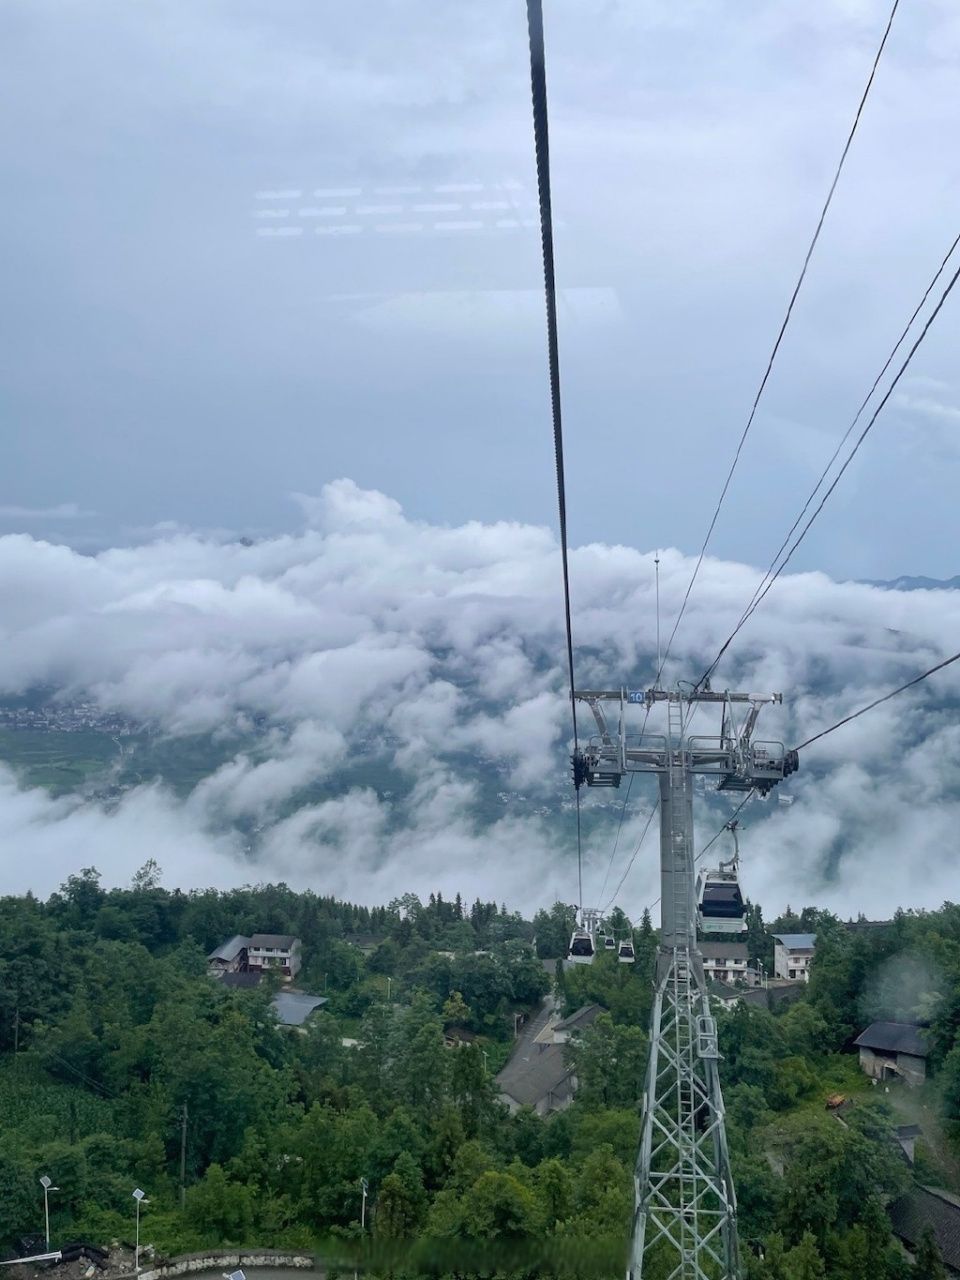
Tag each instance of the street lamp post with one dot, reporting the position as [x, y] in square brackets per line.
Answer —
[389, 982]
[47, 1188]
[140, 1199]
[484, 1052]
[363, 1206]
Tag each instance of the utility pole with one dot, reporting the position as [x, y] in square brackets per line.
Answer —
[183, 1158]
[685, 1208]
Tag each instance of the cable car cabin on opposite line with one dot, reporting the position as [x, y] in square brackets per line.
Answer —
[720, 902]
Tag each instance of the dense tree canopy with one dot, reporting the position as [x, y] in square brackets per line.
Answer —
[111, 1033]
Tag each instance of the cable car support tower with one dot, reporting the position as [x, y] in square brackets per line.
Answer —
[685, 1209]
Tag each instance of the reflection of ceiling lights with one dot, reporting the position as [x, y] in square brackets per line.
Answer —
[485, 214]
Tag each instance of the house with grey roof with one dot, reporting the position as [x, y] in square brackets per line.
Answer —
[725, 961]
[229, 957]
[928, 1207]
[279, 951]
[792, 955]
[893, 1049]
[538, 1074]
[293, 1008]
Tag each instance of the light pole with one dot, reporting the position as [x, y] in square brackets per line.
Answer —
[47, 1187]
[484, 1052]
[389, 981]
[363, 1206]
[140, 1199]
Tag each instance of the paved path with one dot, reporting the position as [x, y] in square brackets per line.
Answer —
[532, 1028]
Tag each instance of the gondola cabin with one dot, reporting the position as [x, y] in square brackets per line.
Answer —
[582, 949]
[625, 953]
[609, 944]
[720, 902]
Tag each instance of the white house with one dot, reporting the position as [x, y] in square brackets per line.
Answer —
[726, 962]
[274, 951]
[538, 1074]
[792, 954]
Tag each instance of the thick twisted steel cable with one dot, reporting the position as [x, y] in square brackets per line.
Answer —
[538, 92]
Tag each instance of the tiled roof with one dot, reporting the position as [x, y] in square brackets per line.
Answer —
[797, 941]
[230, 949]
[893, 1037]
[723, 950]
[293, 1009]
[930, 1207]
[282, 940]
[536, 1075]
[580, 1020]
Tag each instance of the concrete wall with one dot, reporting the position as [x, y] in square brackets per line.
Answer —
[191, 1262]
[911, 1069]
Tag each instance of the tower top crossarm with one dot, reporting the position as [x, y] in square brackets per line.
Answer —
[647, 697]
[734, 757]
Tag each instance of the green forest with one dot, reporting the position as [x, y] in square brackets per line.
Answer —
[112, 1035]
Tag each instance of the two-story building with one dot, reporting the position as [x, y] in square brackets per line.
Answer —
[726, 962]
[254, 955]
[274, 951]
[792, 955]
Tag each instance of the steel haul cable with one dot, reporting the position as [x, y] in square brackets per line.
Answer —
[538, 90]
[771, 578]
[836, 453]
[749, 796]
[783, 329]
[877, 701]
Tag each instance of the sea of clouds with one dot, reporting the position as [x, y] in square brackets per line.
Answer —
[443, 645]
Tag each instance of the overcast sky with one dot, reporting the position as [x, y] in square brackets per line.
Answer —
[191, 332]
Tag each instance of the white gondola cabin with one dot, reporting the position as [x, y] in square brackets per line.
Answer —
[582, 949]
[625, 953]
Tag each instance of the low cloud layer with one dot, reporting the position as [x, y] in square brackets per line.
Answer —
[437, 652]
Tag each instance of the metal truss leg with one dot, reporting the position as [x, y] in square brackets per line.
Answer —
[685, 1211]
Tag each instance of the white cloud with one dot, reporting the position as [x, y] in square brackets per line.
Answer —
[433, 656]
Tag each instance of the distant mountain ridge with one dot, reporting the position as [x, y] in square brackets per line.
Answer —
[907, 583]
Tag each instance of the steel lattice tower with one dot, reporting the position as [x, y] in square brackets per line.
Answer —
[685, 1208]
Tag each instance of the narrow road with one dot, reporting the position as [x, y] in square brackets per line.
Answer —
[531, 1029]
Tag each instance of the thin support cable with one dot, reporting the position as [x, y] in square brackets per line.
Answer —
[850, 457]
[783, 328]
[836, 453]
[877, 701]
[633, 857]
[714, 838]
[623, 810]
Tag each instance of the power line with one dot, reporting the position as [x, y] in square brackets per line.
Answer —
[877, 701]
[760, 594]
[633, 857]
[761, 589]
[623, 811]
[783, 329]
[538, 91]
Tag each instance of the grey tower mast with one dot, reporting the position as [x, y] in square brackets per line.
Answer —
[685, 1209]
